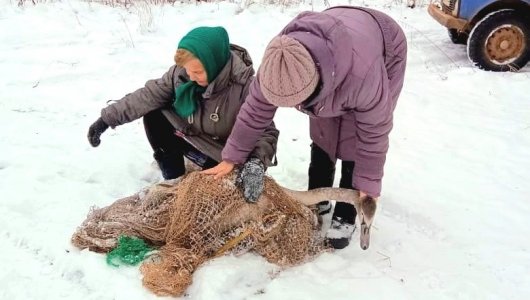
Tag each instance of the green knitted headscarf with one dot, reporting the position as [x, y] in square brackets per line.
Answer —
[212, 47]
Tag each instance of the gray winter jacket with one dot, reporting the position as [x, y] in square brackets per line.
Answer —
[209, 127]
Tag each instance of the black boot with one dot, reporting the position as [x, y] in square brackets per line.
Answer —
[340, 233]
[168, 150]
[171, 164]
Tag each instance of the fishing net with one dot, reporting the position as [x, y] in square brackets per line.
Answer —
[198, 218]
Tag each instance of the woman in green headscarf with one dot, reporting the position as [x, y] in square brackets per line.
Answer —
[190, 111]
[203, 52]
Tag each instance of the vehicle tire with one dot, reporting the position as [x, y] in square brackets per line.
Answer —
[500, 42]
[457, 37]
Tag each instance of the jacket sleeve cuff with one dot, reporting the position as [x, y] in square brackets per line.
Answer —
[372, 187]
[234, 156]
[106, 116]
[368, 173]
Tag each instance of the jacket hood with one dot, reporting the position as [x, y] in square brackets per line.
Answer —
[238, 69]
[330, 45]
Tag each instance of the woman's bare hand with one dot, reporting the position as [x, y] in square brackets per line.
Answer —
[220, 170]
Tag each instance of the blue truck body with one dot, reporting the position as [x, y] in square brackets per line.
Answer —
[496, 32]
[471, 8]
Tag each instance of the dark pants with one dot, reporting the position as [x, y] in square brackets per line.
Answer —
[321, 174]
[170, 149]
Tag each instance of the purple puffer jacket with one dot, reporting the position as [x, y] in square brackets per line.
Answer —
[361, 55]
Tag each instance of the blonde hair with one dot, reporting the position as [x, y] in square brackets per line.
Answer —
[182, 56]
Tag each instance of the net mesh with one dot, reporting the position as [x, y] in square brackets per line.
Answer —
[198, 218]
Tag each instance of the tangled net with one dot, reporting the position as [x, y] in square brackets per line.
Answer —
[198, 218]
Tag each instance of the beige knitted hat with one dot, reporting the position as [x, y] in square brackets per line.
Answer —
[288, 75]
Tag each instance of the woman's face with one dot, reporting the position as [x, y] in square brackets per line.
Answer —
[196, 72]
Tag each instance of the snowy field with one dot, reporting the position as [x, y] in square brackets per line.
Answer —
[454, 214]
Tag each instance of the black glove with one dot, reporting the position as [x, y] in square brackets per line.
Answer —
[250, 179]
[95, 131]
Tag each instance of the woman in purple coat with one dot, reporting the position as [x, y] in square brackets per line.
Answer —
[344, 67]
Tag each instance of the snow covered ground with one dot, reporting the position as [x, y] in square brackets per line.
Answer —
[454, 215]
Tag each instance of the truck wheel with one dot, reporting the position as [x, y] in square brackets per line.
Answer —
[500, 42]
[457, 37]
